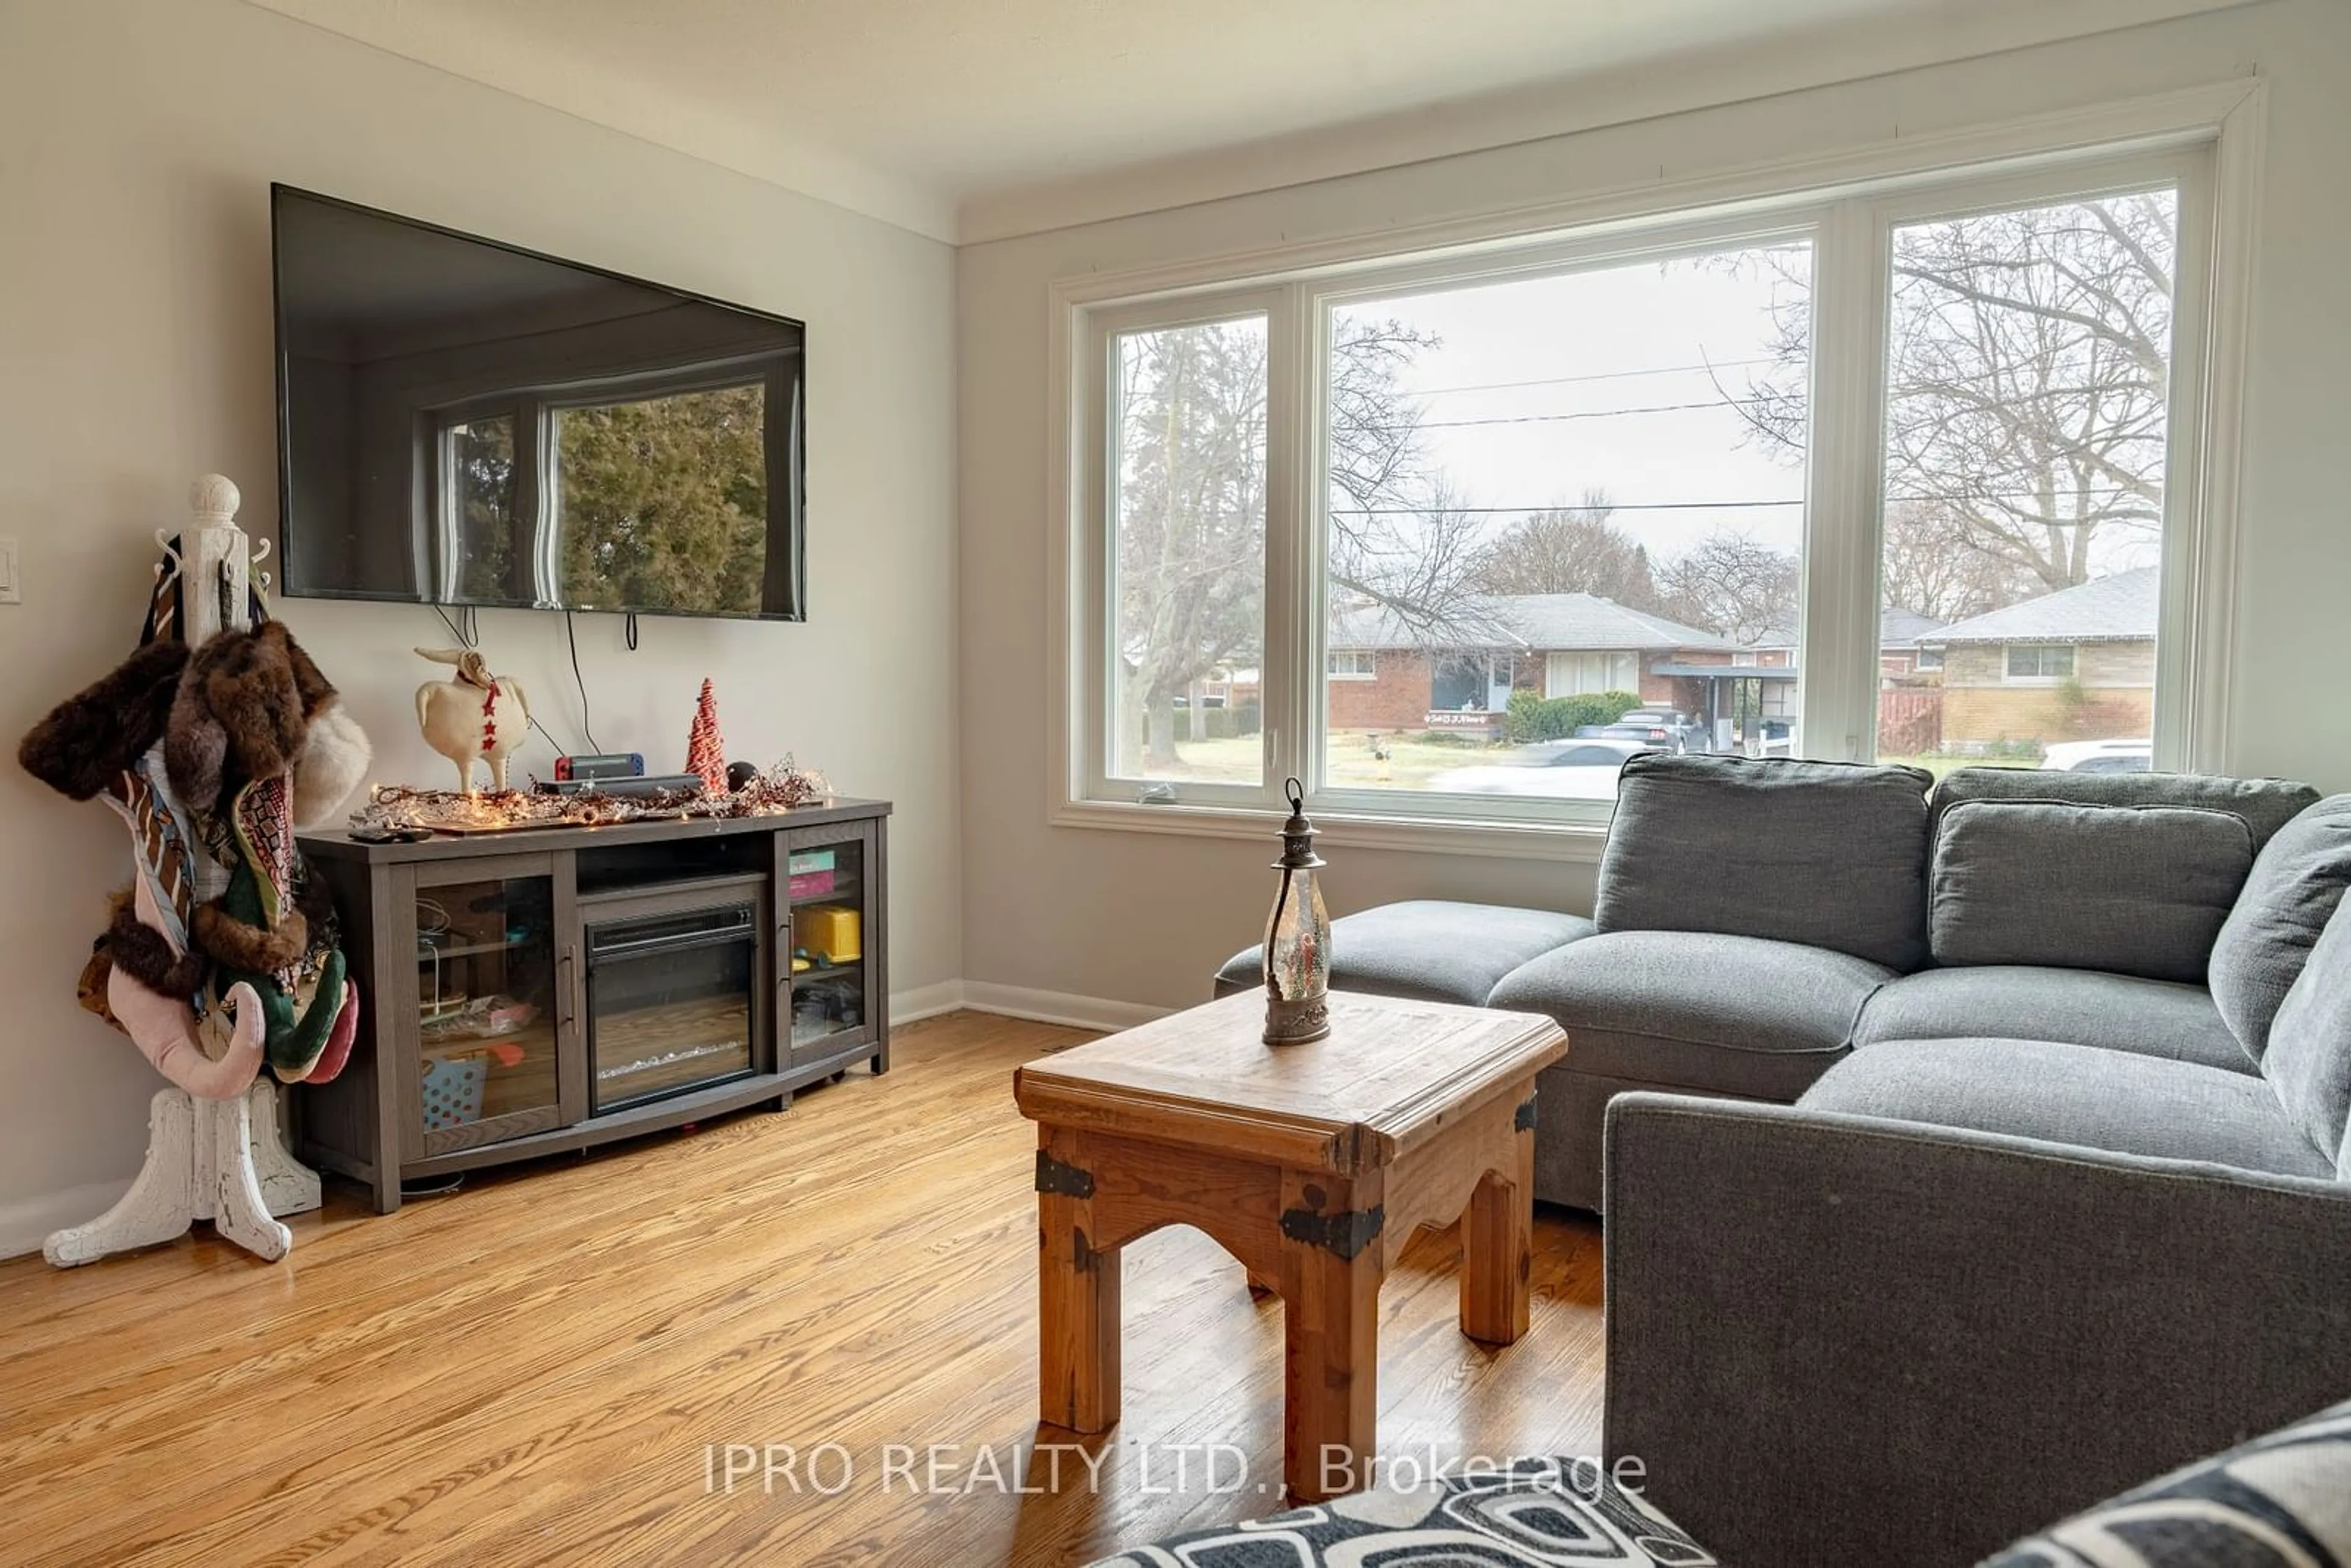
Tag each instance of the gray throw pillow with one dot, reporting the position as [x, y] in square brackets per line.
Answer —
[2296, 883]
[2309, 1059]
[2131, 891]
[2266, 804]
[1829, 854]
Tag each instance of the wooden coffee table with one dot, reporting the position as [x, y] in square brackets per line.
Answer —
[1313, 1165]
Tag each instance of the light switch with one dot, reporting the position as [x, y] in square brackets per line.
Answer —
[11, 591]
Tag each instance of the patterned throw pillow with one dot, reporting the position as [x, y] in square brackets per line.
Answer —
[1542, 1513]
[2280, 1502]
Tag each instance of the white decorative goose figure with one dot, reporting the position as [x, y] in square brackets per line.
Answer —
[478, 714]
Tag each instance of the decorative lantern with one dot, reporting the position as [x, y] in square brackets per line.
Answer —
[1297, 938]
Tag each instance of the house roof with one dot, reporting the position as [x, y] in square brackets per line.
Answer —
[1896, 628]
[1531, 622]
[2118, 609]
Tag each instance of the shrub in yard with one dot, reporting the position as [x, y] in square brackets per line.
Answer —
[1231, 722]
[1532, 718]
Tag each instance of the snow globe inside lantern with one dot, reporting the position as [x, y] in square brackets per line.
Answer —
[1297, 938]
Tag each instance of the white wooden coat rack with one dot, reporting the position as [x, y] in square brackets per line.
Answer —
[222, 1160]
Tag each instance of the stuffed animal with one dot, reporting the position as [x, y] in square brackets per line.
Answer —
[164, 1029]
[478, 714]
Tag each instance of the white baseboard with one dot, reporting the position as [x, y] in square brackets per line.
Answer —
[25, 1224]
[1057, 1007]
[1019, 1002]
[925, 1001]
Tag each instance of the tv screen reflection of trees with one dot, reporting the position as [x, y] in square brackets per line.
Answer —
[465, 423]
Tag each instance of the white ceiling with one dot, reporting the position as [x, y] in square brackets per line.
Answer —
[974, 119]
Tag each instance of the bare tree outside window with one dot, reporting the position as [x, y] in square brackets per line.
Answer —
[1734, 585]
[1188, 534]
[2027, 413]
[1190, 515]
[2031, 360]
[1570, 550]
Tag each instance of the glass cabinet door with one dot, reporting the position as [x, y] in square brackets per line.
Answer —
[492, 979]
[826, 970]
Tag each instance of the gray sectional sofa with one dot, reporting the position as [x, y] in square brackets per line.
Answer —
[1758, 922]
[2004, 1151]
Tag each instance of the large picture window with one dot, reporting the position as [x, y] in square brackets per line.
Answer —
[1547, 500]
[1890, 473]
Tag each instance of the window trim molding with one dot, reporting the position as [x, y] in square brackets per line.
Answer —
[2199, 593]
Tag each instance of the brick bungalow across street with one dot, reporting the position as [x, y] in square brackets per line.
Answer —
[1907, 646]
[1383, 676]
[2078, 664]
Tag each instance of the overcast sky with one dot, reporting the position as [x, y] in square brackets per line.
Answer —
[1603, 347]
[1623, 353]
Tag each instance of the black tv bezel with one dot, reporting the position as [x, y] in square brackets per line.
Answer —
[796, 545]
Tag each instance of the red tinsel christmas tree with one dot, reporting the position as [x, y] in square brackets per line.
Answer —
[705, 753]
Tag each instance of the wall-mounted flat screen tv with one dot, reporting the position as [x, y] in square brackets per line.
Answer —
[462, 421]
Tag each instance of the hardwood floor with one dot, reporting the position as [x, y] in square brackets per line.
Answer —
[548, 1366]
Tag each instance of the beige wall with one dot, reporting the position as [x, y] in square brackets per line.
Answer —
[138, 139]
[1145, 918]
[1980, 707]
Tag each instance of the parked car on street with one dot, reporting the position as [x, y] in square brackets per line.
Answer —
[1661, 727]
[1579, 769]
[2100, 756]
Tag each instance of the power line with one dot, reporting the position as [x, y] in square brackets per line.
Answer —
[1560, 418]
[1704, 505]
[1596, 376]
[1555, 506]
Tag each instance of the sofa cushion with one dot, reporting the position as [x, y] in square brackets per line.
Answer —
[1425, 950]
[2135, 891]
[2296, 882]
[1560, 1510]
[2082, 1007]
[2266, 804]
[2284, 1498]
[2309, 1059]
[2062, 1093]
[1736, 1014]
[1829, 854]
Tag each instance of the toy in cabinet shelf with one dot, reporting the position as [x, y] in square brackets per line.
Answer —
[827, 933]
[453, 1091]
[813, 874]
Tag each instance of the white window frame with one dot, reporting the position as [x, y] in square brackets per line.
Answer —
[1612, 658]
[2206, 141]
[2008, 652]
[1363, 665]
